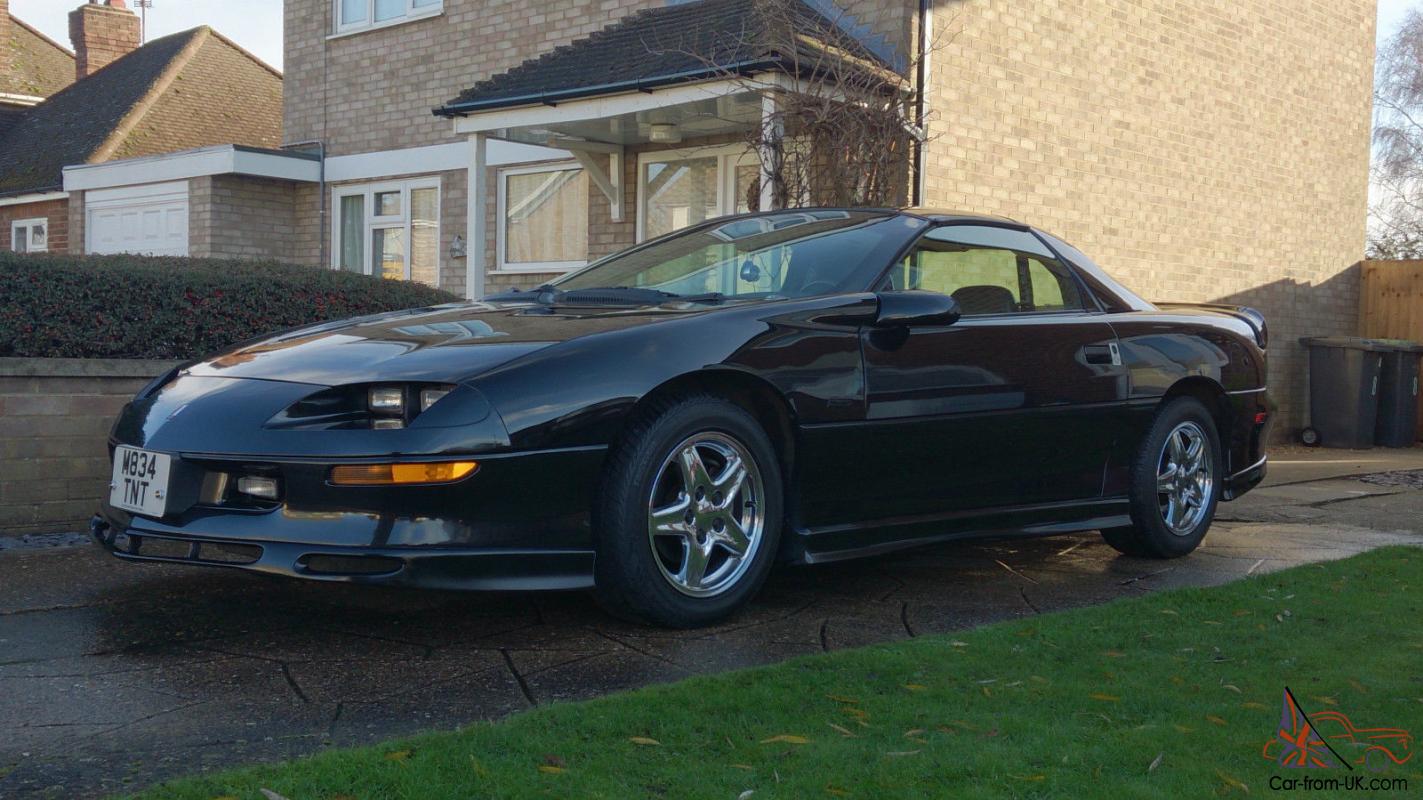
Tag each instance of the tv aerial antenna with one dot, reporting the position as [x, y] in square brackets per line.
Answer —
[143, 6]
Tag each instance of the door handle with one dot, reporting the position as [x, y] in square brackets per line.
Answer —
[1106, 354]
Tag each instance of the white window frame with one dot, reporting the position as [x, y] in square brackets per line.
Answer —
[728, 158]
[501, 266]
[411, 13]
[372, 222]
[29, 225]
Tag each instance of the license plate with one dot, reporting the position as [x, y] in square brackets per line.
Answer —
[140, 482]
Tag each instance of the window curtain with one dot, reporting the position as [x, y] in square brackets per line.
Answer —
[425, 236]
[353, 223]
[546, 217]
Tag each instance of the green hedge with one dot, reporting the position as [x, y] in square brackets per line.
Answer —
[55, 306]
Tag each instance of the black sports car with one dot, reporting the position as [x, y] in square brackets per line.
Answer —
[805, 385]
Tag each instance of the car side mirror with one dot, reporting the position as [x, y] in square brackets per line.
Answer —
[913, 308]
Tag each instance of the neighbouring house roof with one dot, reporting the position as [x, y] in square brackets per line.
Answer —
[187, 90]
[671, 44]
[39, 66]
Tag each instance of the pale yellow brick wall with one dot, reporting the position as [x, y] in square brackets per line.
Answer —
[1207, 151]
[233, 216]
[312, 228]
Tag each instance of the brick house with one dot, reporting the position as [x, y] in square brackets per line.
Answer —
[113, 100]
[1210, 151]
[32, 68]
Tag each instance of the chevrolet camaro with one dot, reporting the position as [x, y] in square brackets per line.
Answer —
[664, 425]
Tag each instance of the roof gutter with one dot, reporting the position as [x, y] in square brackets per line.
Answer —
[10, 194]
[462, 109]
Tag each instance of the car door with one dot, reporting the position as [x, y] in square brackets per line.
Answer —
[1010, 406]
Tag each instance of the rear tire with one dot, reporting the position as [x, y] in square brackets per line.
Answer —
[1175, 484]
[689, 516]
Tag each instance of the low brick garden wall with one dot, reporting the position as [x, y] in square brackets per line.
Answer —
[55, 415]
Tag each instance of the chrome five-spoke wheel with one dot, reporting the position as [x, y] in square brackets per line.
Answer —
[705, 515]
[1185, 478]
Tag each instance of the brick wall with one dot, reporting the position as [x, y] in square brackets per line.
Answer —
[312, 229]
[55, 415]
[55, 211]
[75, 226]
[231, 216]
[1207, 151]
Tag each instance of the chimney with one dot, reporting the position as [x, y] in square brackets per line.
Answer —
[102, 31]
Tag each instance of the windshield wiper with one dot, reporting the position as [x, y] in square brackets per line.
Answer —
[549, 295]
[704, 297]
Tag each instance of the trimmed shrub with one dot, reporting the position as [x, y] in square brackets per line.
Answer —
[127, 306]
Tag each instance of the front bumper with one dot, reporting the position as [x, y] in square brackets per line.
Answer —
[521, 521]
[493, 569]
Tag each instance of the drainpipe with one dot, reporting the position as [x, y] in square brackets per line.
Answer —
[921, 73]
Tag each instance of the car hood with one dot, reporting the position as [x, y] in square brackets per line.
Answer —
[444, 344]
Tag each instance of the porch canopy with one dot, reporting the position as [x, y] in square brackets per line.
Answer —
[690, 72]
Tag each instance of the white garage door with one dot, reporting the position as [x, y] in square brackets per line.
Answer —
[143, 219]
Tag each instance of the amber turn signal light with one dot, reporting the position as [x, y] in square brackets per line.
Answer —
[397, 474]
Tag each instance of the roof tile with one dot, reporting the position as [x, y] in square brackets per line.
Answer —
[662, 45]
[39, 67]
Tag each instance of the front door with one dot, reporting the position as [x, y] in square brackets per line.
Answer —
[1013, 405]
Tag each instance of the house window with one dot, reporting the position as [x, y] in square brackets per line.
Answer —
[390, 229]
[543, 218]
[677, 188]
[356, 15]
[29, 236]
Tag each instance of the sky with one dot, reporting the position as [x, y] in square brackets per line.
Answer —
[1390, 15]
[254, 24]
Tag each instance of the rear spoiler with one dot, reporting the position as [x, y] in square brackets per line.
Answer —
[1250, 316]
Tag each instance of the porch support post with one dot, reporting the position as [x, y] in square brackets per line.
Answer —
[476, 217]
[771, 132]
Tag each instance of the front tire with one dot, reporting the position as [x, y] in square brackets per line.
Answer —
[689, 515]
[1175, 484]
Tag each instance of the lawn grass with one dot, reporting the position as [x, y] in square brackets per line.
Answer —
[1168, 695]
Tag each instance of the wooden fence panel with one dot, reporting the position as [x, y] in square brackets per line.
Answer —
[1391, 303]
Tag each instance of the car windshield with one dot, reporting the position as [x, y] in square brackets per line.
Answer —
[787, 254]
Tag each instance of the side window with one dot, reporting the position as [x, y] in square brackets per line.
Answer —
[988, 270]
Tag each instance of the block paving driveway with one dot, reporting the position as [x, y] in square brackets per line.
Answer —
[114, 676]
